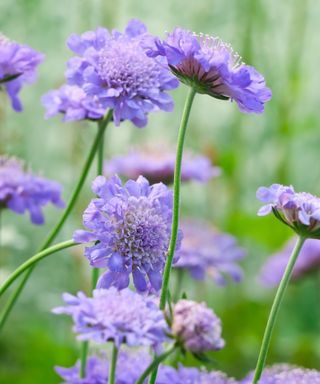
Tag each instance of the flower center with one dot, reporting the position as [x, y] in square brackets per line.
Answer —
[124, 66]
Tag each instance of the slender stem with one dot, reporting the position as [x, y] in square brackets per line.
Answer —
[95, 271]
[83, 358]
[113, 365]
[275, 309]
[154, 364]
[33, 260]
[53, 234]
[176, 196]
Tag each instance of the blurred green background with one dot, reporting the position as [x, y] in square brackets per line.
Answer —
[281, 39]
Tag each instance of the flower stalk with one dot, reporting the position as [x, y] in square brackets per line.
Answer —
[275, 309]
[113, 364]
[54, 233]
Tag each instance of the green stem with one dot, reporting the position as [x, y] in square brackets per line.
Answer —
[275, 309]
[154, 365]
[33, 260]
[176, 196]
[53, 234]
[113, 365]
[95, 271]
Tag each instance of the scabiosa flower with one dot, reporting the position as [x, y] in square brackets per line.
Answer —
[131, 224]
[73, 103]
[124, 317]
[308, 261]
[18, 65]
[114, 68]
[129, 368]
[211, 67]
[157, 164]
[206, 251]
[196, 327]
[299, 210]
[286, 374]
[22, 191]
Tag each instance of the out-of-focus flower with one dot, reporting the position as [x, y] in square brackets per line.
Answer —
[73, 103]
[184, 375]
[211, 67]
[131, 225]
[129, 369]
[124, 317]
[18, 64]
[299, 210]
[205, 251]
[22, 191]
[286, 374]
[157, 164]
[308, 261]
[196, 327]
[113, 68]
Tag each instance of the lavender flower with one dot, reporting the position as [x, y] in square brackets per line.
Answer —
[286, 374]
[21, 191]
[211, 67]
[114, 69]
[299, 210]
[196, 327]
[18, 65]
[131, 224]
[73, 103]
[308, 261]
[118, 316]
[205, 251]
[157, 164]
[169, 375]
[129, 369]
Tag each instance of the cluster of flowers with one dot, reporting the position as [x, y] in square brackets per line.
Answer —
[129, 224]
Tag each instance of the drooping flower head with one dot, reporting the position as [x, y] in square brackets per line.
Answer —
[211, 67]
[18, 64]
[286, 374]
[196, 327]
[157, 163]
[128, 370]
[124, 317]
[131, 225]
[113, 68]
[307, 262]
[206, 251]
[22, 191]
[299, 210]
[73, 103]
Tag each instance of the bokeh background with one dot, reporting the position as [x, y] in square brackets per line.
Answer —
[281, 39]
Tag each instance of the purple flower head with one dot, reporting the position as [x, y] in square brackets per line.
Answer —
[73, 103]
[113, 67]
[308, 261]
[211, 67]
[18, 65]
[299, 210]
[169, 375]
[196, 327]
[157, 163]
[206, 251]
[286, 374]
[124, 317]
[131, 225]
[21, 191]
[128, 370]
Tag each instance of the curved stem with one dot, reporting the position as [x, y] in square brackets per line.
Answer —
[33, 260]
[176, 196]
[113, 365]
[275, 309]
[53, 234]
[83, 358]
[154, 365]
